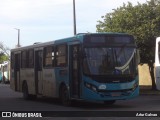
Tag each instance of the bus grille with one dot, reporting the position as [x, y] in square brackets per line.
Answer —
[115, 93]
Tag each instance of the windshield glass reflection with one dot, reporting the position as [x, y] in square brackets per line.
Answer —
[109, 60]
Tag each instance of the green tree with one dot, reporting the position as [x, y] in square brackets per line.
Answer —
[141, 21]
[4, 53]
[4, 50]
[3, 57]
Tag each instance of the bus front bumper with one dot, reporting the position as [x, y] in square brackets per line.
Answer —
[104, 95]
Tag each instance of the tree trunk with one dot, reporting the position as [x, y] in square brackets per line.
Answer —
[151, 70]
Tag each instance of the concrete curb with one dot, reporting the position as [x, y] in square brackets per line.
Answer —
[149, 92]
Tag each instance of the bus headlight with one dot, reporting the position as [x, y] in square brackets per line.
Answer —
[135, 86]
[90, 86]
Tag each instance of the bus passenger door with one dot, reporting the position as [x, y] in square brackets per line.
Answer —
[38, 71]
[75, 70]
[17, 72]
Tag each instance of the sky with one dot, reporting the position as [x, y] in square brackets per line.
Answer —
[47, 20]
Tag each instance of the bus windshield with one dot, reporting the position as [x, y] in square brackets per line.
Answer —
[109, 60]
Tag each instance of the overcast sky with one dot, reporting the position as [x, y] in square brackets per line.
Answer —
[46, 20]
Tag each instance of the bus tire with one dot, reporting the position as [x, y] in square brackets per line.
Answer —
[64, 96]
[110, 102]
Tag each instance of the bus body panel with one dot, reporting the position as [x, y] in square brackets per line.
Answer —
[49, 83]
[157, 63]
[18, 87]
[12, 81]
[40, 83]
[28, 76]
[62, 77]
[157, 79]
[90, 95]
[112, 91]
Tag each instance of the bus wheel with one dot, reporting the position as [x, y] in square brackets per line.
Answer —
[64, 96]
[110, 102]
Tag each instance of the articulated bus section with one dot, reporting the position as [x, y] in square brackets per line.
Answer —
[92, 67]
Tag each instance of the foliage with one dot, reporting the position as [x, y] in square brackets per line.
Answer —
[142, 21]
[4, 53]
[4, 50]
[3, 58]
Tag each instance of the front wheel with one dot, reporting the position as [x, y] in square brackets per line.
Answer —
[64, 96]
[110, 102]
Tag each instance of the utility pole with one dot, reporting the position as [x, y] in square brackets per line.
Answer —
[74, 18]
[18, 45]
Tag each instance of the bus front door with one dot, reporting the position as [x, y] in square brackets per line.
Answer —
[17, 72]
[38, 71]
[75, 71]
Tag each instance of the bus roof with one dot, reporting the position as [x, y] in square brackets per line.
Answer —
[59, 41]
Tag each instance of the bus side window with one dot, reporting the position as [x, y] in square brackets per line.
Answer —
[61, 56]
[24, 59]
[49, 56]
[39, 64]
[12, 60]
[30, 58]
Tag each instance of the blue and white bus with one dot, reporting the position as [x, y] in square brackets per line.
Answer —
[157, 63]
[5, 72]
[90, 67]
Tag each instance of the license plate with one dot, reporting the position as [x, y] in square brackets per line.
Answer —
[116, 94]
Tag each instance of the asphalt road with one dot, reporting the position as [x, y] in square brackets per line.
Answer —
[13, 101]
